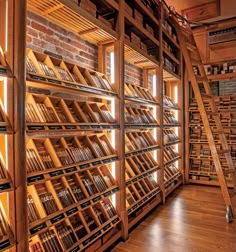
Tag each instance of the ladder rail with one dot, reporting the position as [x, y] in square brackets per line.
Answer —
[205, 120]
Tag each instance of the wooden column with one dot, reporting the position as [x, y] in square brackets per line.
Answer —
[159, 80]
[119, 80]
[19, 126]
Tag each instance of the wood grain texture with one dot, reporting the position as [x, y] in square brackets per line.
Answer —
[192, 220]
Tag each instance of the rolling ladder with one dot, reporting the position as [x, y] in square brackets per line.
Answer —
[193, 61]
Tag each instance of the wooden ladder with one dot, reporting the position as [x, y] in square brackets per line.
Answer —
[193, 60]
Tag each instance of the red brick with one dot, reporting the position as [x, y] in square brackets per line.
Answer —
[32, 32]
[31, 15]
[41, 28]
[49, 39]
[28, 39]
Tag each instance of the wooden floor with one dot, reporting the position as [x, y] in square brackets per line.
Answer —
[193, 220]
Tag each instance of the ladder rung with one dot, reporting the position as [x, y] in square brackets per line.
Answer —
[191, 47]
[201, 78]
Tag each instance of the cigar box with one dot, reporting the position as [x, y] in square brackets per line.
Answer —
[135, 39]
[138, 17]
[104, 21]
[88, 6]
[149, 29]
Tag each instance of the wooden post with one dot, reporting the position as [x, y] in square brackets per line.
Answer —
[19, 126]
[119, 80]
[159, 83]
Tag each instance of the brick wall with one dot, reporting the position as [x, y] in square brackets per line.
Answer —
[133, 74]
[45, 35]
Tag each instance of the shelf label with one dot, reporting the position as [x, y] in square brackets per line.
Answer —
[84, 127]
[3, 128]
[38, 228]
[56, 173]
[129, 211]
[114, 158]
[106, 126]
[140, 177]
[105, 161]
[106, 194]
[115, 190]
[85, 204]
[84, 166]
[95, 126]
[3, 70]
[5, 244]
[35, 178]
[116, 126]
[140, 203]
[36, 77]
[57, 218]
[5, 186]
[77, 248]
[97, 199]
[106, 227]
[91, 238]
[96, 163]
[134, 180]
[35, 127]
[71, 211]
[128, 183]
[55, 127]
[115, 220]
[146, 198]
[70, 127]
[70, 85]
[71, 169]
[54, 81]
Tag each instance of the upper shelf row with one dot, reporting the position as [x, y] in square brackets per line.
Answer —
[95, 21]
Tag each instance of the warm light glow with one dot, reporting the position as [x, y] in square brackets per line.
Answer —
[154, 86]
[155, 175]
[112, 66]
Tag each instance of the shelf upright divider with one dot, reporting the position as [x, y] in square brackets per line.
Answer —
[186, 126]
[181, 102]
[159, 85]
[20, 197]
[119, 80]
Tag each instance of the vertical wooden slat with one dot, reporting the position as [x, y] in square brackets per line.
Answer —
[119, 80]
[19, 126]
[159, 74]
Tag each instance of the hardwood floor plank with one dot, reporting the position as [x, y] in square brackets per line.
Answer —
[192, 220]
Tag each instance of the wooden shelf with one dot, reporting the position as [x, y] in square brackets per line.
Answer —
[169, 75]
[171, 56]
[227, 76]
[138, 57]
[69, 15]
[141, 29]
[170, 38]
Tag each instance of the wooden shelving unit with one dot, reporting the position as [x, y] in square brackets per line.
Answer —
[202, 168]
[12, 178]
[86, 159]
